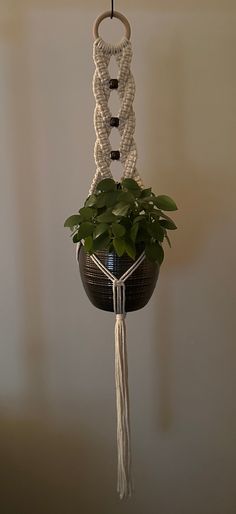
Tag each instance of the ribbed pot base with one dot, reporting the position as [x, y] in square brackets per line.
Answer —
[139, 287]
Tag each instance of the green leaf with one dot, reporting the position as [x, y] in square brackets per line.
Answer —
[143, 235]
[155, 230]
[126, 222]
[121, 209]
[88, 243]
[87, 213]
[111, 198]
[100, 229]
[91, 200]
[168, 240]
[101, 200]
[126, 197]
[130, 248]
[107, 184]
[118, 230]
[106, 217]
[131, 184]
[119, 245]
[146, 192]
[76, 238]
[101, 242]
[146, 199]
[86, 229]
[73, 221]
[169, 224]
[163, 215]
[165, 202]
[141, 217]
[107, 199]
[154, 252]
[160, 256]
[145, 205]
[156, 213]
[134, 231]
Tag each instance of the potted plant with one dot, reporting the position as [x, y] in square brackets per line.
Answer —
[121, 229]
[117, 223]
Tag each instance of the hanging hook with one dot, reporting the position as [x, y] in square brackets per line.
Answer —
[112, 9]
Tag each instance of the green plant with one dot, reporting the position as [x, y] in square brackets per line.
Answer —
[122, 217]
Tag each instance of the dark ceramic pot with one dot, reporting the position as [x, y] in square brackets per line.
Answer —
[138, 288]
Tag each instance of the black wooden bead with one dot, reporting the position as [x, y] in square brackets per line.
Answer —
[114, 122]
[115, 155]
[113, 83]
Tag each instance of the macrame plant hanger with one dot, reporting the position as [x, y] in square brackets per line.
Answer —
[103, 84]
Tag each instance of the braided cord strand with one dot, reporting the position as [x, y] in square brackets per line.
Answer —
[102, 53]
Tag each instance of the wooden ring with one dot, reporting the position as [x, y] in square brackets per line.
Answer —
[117, 15]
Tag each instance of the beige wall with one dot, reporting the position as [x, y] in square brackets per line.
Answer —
[57, 408]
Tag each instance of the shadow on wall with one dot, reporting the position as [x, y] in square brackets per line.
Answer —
[197, 196]
[27, 214]
[45, 470]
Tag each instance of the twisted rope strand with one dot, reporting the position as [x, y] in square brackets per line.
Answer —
[102, 53]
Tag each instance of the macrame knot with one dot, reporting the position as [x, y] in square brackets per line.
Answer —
[121, 317]
[119, 296]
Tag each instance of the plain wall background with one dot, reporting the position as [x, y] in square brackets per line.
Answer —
[57, 398]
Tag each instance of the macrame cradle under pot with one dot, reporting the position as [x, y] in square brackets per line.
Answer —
[139, 286]
[112, 283]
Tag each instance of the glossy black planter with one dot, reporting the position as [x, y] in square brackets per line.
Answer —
[139, 287]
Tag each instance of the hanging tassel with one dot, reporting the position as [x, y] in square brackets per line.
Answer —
[124, 485]
[122, 392]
